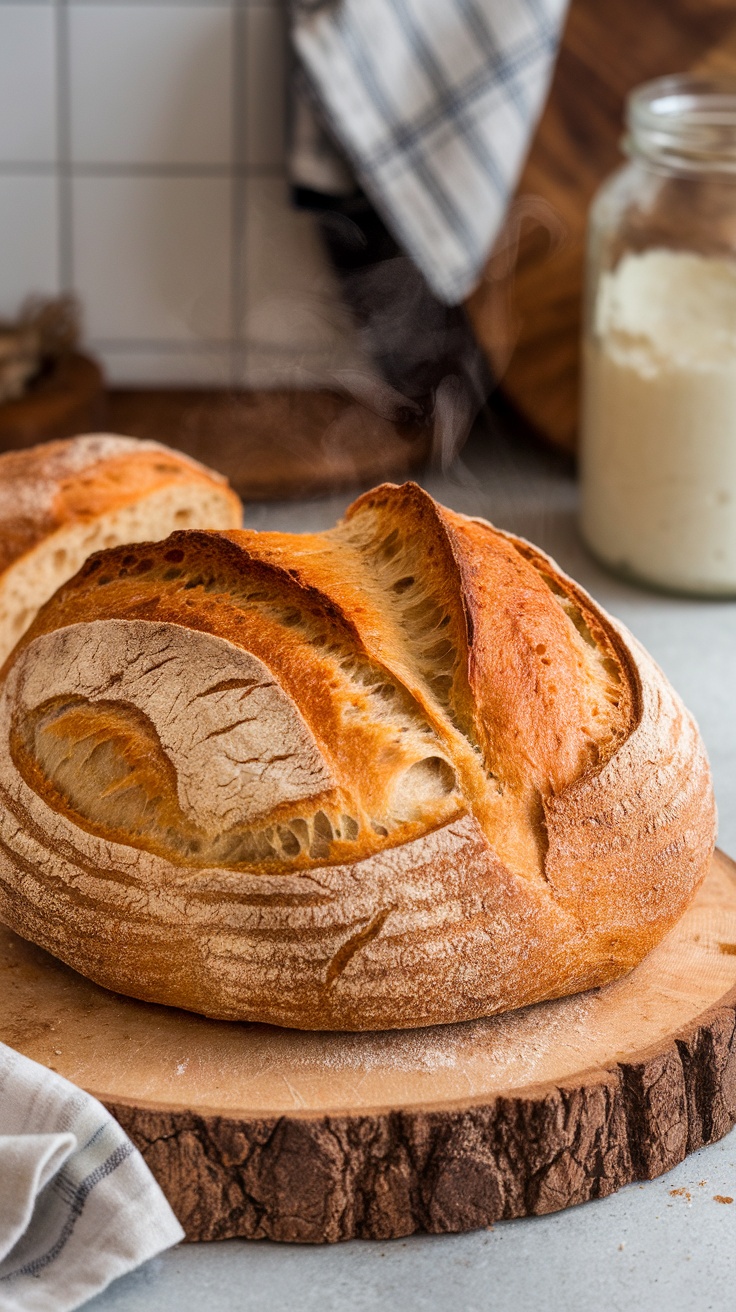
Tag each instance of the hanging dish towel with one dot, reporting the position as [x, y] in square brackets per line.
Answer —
[78, 1205]
[433, 104]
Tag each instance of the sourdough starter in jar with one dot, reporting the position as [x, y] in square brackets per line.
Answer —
[659, 421]
[658, 436]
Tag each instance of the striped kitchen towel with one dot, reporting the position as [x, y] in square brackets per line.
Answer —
[433, 103]
[78, 1205]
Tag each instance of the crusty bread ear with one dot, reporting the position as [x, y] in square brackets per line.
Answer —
[229, 783]
[61, 501]
[405, 549]
[489, 637]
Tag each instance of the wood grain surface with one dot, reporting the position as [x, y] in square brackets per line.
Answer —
[307, 1137]
[278, 444]
[529, 302]
[270, 444]
[66, 400]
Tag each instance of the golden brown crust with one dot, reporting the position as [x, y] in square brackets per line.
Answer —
[62, 500]
[401, 773]
[79, 479]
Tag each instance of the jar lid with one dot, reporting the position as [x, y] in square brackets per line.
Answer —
[684, 122]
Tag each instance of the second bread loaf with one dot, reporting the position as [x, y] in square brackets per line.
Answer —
[63, 500]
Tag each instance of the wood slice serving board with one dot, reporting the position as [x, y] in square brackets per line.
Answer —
[317, 1137]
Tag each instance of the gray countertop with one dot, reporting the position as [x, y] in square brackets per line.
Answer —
[647, 1245]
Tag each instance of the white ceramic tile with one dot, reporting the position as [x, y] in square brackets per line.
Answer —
[189, 4]
[292, 301]
[265, 85]
[151, 84]
[27, 84]
[152, 256]
[28, 240]
[300, 369]
[194, 367]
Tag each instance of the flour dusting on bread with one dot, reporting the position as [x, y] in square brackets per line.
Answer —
[63, 500]
[397, 774]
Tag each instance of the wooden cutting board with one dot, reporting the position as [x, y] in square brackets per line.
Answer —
[529, 302]
[68, 398]
[313, 1137]
[275, 445]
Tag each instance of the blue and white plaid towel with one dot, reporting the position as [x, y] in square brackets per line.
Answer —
[78, 1205]
[433, 103]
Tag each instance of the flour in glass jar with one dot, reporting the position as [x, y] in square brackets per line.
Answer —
[659, 421]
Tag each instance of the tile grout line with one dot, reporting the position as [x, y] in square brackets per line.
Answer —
[164, 170]
[134, 4]
[63, 169]
[206, 345]
[70, 169]
[139, 4]
[63, 148]
[175, 345]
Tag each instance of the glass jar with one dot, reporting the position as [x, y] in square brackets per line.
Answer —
[658, 435]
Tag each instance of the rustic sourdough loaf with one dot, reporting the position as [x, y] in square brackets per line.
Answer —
[399, 773]
[63, 500]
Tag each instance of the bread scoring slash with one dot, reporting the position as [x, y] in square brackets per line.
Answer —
[400, 773]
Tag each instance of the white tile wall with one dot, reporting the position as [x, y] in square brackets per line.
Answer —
[265, 75]
[290, 300]
[152, 365]
[142, 166]
[151, 257]
[27, 83]
[29, 248]
[151, 84]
